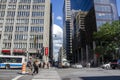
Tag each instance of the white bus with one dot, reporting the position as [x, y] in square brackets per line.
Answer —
[7, 61]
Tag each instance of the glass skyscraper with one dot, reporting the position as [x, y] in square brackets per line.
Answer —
[99, 12]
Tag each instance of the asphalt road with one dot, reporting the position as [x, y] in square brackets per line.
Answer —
[67, 74]
[88, 74]
[13, 74]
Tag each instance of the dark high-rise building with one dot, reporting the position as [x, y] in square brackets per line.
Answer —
[98, 13]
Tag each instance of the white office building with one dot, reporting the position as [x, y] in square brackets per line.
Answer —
[24, 27]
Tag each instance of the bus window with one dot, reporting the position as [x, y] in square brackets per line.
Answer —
[19, 60]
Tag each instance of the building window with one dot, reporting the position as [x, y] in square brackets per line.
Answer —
[11, 13]
[39, 37]
[22, 21]
[6, 45]
[103, 8]
[12, 7]
[2, 6]
[39, 1]
[10, 21]
[3, 1]
[37, 14]
[25, 1]
[8, 28]
[37, 21]
[36, 29]
[7, 36]
[20, 45]
[24, 7]
[23, 13]
[2, 13]
[1, 20]
[21, 36]
[40, 7]
[106, 16]
[12, 1]
[21, 28]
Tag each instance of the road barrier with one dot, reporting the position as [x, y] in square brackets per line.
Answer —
[23, 68]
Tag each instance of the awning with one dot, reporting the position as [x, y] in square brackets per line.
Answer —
[18, 51]
[5, 51]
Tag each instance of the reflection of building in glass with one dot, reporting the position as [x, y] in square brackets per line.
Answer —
[24, 26]
[98, 13]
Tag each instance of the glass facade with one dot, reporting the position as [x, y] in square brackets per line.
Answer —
[105, 11]
[83, 5]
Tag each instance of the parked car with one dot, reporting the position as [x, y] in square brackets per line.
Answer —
[115, 64]
[77, 66]
[106, 65]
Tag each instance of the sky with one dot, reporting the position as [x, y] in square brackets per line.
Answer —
[57, 11]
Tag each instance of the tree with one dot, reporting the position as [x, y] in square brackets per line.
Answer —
[107, 38]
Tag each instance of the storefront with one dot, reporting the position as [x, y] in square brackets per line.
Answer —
[6, 52]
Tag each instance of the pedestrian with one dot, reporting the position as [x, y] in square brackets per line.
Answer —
[36, 67]
[29, 65]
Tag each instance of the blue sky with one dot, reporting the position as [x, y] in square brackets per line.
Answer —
[57, 11]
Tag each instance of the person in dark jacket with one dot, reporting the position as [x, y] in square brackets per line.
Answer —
[36, 67]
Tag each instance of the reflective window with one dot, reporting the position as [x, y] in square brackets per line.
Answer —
[101, 1]
[103, 8]
[107, 16]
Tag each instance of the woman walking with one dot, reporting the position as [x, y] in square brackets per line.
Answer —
[36, 67]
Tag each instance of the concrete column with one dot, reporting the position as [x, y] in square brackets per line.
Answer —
[81, 55]
[87, 53]
[95, 59]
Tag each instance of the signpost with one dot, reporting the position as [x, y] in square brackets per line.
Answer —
[46, 51]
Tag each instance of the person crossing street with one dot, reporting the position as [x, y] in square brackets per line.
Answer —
[36, 67]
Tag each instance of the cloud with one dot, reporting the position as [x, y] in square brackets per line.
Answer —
[57, 39]
[59, 18]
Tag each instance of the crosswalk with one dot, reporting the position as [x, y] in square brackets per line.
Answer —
[47, 74]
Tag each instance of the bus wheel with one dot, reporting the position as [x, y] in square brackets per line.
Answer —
[7, 66]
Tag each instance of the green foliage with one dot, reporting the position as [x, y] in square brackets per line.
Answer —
[108, 37]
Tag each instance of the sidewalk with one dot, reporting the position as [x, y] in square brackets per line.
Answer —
[47, 74]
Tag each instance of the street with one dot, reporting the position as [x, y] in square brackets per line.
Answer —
[88, 74]
[13, 74]
[66, 74]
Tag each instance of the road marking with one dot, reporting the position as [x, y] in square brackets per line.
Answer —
[16, 78]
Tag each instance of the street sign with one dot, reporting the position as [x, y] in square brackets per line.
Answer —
[46, 51]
